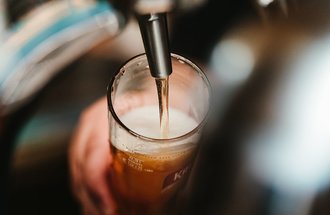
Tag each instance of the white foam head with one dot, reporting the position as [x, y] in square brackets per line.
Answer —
[145, 121]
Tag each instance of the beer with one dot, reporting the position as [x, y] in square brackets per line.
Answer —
[154, 134]
[162, 92]
[143, 181]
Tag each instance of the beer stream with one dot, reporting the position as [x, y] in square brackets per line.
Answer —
[162, 91]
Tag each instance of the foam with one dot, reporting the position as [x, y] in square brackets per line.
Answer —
[145, 121]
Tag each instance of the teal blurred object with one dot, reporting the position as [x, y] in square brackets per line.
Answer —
[47, 39]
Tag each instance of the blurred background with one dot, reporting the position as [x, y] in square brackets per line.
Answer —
[267, 148]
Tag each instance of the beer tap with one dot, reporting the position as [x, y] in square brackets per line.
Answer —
[151, 16]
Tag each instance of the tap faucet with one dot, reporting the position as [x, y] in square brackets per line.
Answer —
[151, 16]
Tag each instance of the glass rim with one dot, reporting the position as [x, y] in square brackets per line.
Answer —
[150, 139]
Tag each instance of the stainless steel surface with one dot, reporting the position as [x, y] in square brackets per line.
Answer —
[154, 33]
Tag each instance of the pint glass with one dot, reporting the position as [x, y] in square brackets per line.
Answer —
[148, 170]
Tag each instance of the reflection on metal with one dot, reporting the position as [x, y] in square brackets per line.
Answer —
[264, 3]
[159, 6]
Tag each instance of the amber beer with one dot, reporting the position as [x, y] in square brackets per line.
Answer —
[144, 180]
[149, 168]
[142, 184]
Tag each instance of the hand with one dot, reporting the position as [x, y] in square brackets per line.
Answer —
[89, 155]
[90, 159]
